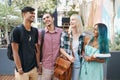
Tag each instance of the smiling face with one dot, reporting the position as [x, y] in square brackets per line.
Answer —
[29, 16]
[76, 23]
[48, 19]
[73, 22]
[95, 31]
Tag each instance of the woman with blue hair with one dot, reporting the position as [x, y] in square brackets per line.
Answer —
[92, 67]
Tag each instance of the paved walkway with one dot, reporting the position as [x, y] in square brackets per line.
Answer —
[7, 77]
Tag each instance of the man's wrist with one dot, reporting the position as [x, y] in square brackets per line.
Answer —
[20, 69]
[40, 63]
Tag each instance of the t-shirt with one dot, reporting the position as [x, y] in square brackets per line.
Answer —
[27, 49]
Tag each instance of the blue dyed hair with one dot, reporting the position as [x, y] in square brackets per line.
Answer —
[102, 38]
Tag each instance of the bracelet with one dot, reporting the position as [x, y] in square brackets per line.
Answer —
[19, 69]
[40, 63]
[83, 55]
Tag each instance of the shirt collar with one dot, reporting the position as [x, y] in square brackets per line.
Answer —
[56, 30]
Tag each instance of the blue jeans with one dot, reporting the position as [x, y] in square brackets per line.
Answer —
[76, 73]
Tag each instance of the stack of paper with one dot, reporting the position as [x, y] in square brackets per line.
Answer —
[102, 55]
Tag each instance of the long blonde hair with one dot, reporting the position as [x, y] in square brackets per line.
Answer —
[79, 25]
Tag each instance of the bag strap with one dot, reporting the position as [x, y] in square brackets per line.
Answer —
[21, 32]
[20, 27]
[42, 41]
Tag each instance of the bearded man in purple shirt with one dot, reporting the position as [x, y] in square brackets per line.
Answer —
[50, 48]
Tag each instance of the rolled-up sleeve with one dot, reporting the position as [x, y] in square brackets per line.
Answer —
[15, 35]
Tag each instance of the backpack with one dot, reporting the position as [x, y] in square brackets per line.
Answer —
[9, 47]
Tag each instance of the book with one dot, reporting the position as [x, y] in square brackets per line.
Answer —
[102, 55]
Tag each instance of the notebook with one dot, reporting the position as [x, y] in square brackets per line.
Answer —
[107, 55]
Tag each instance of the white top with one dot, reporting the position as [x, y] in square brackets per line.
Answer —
[75, 44]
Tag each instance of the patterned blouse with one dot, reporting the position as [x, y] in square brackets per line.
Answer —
[65, 42]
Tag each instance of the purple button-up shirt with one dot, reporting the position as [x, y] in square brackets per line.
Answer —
[51, 47]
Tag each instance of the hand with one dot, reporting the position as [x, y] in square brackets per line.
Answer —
[71, 58]
[20, 71]
[40, 69]
[87, 58]
[93, 58]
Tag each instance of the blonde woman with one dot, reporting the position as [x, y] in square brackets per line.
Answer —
[74, 35]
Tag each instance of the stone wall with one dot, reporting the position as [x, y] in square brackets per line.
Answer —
[6, 66]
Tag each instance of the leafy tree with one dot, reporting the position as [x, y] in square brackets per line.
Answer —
[10, 15]
[46, 6]
[6, 17]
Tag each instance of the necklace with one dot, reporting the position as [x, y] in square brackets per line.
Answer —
[29, 38]
[76, 36]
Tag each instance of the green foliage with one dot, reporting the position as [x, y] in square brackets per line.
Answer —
[48, 6]
[22, 3]
[10, 16]
[7, 14]
[72, 12]
[116, 44]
